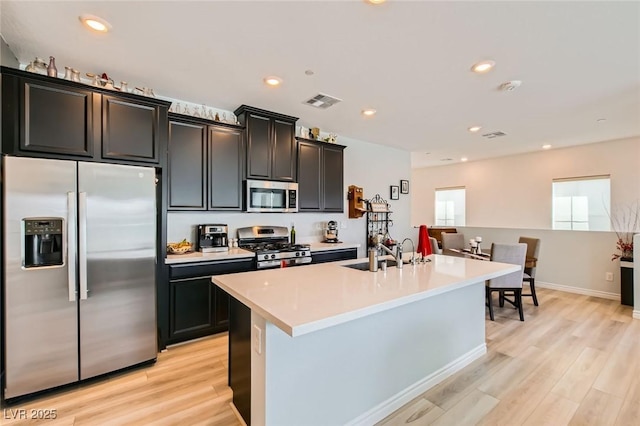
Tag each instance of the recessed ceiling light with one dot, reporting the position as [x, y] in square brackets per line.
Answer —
[273, 81]
[309, 72]
[483, 66]
[463, 159]
[95, 23]
[546, 146]
[474, 129]
[601, 120]
[368, 112]
[375, 1]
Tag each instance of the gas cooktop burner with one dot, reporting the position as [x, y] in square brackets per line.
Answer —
[274, 247]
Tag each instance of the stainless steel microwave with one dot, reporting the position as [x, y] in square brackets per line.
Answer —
[265, 196]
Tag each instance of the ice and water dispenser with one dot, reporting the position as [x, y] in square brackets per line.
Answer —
[42, 242]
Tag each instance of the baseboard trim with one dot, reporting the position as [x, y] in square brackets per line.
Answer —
[578, 290]
[393, 403]
[636, 314]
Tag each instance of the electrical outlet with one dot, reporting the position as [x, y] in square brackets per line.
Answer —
[608, 276]
[319, 226]
[257, 339]
[343, 224]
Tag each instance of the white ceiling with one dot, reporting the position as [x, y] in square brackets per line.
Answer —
[410, 60]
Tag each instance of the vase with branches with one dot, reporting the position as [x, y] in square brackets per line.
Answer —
[625, 222]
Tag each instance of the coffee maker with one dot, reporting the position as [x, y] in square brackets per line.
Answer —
[212, 238]
[331, 232]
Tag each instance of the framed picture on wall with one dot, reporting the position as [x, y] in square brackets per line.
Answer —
[404, 186]
[395, 192]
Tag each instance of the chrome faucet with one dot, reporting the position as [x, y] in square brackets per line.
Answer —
[413, 251]
[397, 255]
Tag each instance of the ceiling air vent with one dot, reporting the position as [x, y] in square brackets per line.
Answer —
[493, 135]
[322, 101]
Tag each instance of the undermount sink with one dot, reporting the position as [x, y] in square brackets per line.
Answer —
[364, 266]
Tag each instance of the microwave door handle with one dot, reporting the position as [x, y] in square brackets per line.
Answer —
[82, 252]
[72, 244]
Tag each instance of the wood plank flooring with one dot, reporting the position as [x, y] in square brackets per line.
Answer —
[574, 361]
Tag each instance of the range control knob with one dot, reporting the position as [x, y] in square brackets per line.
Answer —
[273, 256]
[266, 256]
[297, 253]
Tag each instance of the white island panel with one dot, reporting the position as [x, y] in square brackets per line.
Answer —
[360, 371]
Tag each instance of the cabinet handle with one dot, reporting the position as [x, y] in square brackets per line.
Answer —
[72, 245]
[82, 252]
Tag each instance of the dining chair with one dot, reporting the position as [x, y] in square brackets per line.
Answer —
[452, 241]
[510, 283]
[533, 249]
[434, 246]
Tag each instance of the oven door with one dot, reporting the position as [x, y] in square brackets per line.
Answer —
[283, 263]
[268, 196]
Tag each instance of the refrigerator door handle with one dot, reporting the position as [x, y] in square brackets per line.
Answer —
[82, 249]
[72, 245]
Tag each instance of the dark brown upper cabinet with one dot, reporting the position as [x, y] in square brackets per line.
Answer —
[320, 176]
[205, 164]
[271, 144]
[187, 165]
[56, 119]
[226, 154]
[50, 117]
[129, 129]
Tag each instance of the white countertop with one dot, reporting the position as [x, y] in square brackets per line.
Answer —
[232, 253]
[238, 253]
[306, 299]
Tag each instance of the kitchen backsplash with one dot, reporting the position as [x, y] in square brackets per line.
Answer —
[309, 226]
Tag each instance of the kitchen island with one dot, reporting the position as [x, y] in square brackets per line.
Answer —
[330, 344]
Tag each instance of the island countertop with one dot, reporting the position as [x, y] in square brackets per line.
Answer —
[301, 300]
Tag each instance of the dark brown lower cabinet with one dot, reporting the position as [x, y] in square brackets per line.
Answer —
[334, 255]
[197, 307]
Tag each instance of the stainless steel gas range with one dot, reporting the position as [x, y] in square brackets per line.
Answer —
[272, 247]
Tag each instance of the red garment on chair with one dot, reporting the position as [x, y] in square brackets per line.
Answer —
[424, 245]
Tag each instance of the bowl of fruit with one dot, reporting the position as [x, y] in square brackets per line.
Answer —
[182, 247]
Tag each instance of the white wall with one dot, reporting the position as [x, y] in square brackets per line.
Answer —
[372, 167]
[511, 196]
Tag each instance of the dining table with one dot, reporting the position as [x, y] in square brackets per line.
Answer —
[466, 253]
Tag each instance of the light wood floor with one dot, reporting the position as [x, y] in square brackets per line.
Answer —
[574, 361]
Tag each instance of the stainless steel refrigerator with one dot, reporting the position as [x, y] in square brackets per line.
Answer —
[79, 271]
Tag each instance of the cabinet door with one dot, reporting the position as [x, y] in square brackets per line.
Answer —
[258, 147]
[56, 119]
[129, 130]
[225, 168]
[309, 176]
[284, 151]
[191, 305]
[332, 170]
[187, 166]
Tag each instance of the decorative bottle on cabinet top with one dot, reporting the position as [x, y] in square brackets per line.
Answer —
[293, 234]
[52, 71]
